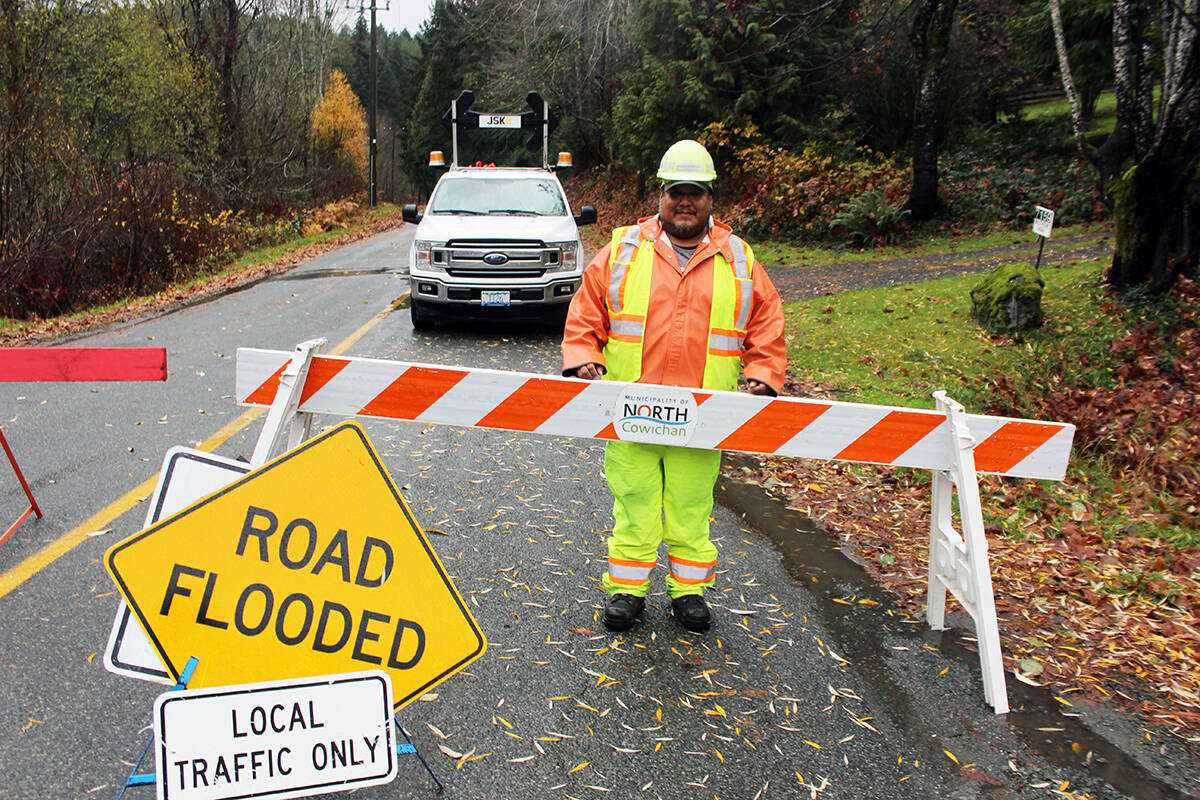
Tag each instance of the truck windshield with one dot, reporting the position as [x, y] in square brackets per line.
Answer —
[517, 196]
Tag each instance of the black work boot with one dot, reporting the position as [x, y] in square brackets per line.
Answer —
[622, 611]
[692, 612]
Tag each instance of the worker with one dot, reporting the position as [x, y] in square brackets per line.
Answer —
[676, 300]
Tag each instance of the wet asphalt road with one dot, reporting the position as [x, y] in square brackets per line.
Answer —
[808, 685]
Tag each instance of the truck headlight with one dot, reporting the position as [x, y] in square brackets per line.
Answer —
[571, 257]
[422, 255]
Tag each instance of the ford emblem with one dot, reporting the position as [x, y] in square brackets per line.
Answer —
[495, 259]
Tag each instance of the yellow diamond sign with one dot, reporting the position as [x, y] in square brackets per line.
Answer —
[310, 565]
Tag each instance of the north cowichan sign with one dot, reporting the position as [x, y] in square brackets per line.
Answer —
[655, 415]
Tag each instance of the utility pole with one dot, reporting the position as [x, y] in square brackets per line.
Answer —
[373, 90]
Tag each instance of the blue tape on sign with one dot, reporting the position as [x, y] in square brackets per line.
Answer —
[188, 669]
[141, 780]
[403, 749]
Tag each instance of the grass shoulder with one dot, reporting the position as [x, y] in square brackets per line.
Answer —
[896, 345]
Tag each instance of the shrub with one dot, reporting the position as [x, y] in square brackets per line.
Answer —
[828, 188]
[868, 220]
[777, 192]
[121, 234]
[999, 174]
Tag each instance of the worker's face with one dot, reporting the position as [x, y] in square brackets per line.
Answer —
[684, 212]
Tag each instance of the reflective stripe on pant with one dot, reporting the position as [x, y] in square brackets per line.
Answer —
[660, 493]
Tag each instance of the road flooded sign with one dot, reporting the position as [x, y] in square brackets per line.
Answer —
[311, 565]
[275, 739]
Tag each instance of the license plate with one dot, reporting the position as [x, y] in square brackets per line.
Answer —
[494, 298]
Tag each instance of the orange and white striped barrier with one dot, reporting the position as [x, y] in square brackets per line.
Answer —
[786, 426]
[952, 444]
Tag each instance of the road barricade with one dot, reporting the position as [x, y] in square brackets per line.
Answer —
[73, 364]
[952, 444]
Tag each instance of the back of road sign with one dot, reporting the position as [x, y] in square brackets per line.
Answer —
[310, 565]
[186, 476]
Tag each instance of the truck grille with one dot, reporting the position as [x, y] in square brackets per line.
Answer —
[521, 258]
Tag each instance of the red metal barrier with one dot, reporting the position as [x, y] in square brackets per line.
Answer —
[73, 364]
[83, 364]
[33, 506]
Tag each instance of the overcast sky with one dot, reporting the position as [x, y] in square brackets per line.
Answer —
[400, 14]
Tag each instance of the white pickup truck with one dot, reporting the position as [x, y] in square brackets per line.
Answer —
[495, 237]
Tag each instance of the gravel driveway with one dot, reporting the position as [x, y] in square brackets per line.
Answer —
[802, 282]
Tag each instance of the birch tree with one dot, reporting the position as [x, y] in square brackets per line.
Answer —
[1068, 80]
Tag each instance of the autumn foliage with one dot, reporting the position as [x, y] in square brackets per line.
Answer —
[339, 133]
[1146, 425]
[1097, 577]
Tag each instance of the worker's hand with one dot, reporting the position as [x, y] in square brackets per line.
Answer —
[758, 387]
[589, 372]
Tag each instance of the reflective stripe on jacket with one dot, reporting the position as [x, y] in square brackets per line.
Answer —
[630, 274]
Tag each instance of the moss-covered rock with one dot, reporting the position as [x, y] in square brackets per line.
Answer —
[1009, 299]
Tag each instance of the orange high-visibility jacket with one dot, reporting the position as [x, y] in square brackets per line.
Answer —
[677, 321]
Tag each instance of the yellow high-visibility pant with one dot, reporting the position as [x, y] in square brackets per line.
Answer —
[660, 493]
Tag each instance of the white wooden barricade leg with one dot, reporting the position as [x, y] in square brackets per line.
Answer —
[285, 408]
[959, 564]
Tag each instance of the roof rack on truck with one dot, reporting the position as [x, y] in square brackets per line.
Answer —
[539, 119]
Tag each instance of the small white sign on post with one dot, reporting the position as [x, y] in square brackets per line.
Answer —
[1043, 221]
[276, 739]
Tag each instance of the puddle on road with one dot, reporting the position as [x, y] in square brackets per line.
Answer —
[808, 553]
[335, 272]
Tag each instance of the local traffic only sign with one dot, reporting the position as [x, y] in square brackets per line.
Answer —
[310, 565]
[277, 739]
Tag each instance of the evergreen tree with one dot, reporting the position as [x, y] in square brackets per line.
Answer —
[448, 48]
[356, 63]
[704, 61]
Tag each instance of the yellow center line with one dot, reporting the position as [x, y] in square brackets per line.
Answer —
[98, 521]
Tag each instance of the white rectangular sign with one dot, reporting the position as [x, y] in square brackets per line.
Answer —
[1043, 221]
[275, 739]
[499, 121]
[186, 476]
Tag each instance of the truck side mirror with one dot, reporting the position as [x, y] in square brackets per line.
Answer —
[586, 216]
[409, 214]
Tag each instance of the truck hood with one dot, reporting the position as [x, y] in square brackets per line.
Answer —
[440, 228]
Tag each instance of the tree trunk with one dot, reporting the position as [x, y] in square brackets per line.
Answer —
[1156, 217]
[930, 36]
[1156, 211]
